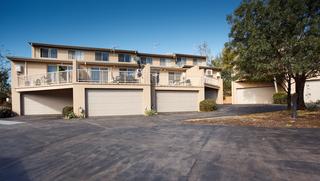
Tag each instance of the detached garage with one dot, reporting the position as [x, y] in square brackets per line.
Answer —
[106, 102]
[177, 101]
[255, 95]
[312, 91]
[46, 102]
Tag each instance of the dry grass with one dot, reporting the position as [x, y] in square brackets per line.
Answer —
[279, 119]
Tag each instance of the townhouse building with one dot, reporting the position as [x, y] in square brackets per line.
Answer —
[106, 81]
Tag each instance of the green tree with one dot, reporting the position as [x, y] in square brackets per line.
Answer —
[224, 61]
[277, 38]
[4, 77]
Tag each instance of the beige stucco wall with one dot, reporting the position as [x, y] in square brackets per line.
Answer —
[220, 92]
[156, 61]
[195, 75]
[163, 77]
[15, 96]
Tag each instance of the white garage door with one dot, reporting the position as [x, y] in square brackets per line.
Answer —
[46, 102]
[177, 101]
[261, 95]
[312, 91]
[103, 102]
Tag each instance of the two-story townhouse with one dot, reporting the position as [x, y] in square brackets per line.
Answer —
[102, 81]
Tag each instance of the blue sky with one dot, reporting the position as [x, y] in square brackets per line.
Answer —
[159, 26]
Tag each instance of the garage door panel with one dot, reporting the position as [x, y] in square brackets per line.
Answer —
[177, 101]
[261, 95]
[114, 102]
[312, 91]
[46, 102]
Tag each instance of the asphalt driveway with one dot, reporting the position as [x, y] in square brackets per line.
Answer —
[156, 148]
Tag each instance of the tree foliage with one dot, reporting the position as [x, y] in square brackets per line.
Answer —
[225, 61]
[277, 38]
[4, 77]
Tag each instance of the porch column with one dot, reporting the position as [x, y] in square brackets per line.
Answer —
[220, 92]
[147, 87]
[79, 97]
[74, 71]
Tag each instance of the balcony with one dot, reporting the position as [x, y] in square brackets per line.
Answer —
[103, 77]
[184, 81]
[107, 77]
[211, 81]
[48, 79]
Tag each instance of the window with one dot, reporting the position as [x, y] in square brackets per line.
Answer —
[102, 56]
[76, 54]
[99, 74]
[166, 62]
[95, 74]
[59, 73]
[127, 74]
[209, 73]
[124, 58]
[146, 60]
[181, 61]
[195, 61]
[155, 77]
[52, 68]
[59, 68]
[174, 77]
[163, 62]
[48, 52]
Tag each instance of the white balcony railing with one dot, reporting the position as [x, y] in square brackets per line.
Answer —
[51, 78]
[103, 76]
[94, 76]
[106, 77]
[188, 81]
[211, 80]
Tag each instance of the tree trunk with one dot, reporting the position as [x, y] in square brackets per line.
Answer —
[289, 95]
[300, 81]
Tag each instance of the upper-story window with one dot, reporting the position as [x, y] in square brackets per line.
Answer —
[102, 56]
[124, 58]
[181, 61]
[48, 52]
[163, 62]
[76, 54]
[196, 61]
[166, 62]
[174, 77]
[146, 60]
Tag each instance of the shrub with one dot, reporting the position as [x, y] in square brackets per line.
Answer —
[67, 110]
[71, 115]
[280, 98]
[208, 105]
[5, 112]
[312, 106]
[150, 112]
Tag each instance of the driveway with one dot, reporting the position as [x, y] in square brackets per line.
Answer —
[156, 148]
